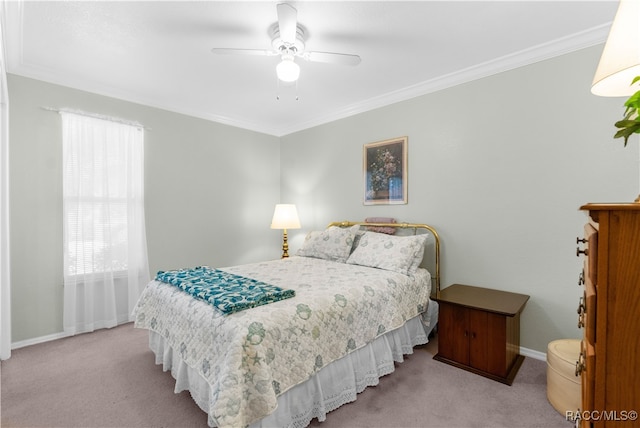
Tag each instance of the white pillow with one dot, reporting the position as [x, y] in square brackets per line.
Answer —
[332, 244]
[402, 254]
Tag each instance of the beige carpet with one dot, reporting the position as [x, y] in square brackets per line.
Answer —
[109, 379]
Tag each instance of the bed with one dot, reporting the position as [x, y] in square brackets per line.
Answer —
[359, 301]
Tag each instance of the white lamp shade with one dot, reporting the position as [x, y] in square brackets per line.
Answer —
[620, 60]
[285, 216]
[288, 70]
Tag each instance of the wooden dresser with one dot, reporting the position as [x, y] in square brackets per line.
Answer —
[609, 313]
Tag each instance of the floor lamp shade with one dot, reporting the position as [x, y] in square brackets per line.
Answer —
[620, 60]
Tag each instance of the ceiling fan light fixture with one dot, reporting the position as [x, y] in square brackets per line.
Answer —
[288, 70]
[288, 42]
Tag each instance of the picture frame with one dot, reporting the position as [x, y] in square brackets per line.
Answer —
[385, 172]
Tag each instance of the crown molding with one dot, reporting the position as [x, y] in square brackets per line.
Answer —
[555, 48]
[561, 46]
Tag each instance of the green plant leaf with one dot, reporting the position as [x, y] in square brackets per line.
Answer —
[627, 132]
[629, 113]
[631, 123]
[625, 123]
[633, 101]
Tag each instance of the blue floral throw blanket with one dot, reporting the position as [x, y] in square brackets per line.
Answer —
[227, 292]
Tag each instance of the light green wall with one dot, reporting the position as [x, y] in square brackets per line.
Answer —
[210, 193]
[499, 165]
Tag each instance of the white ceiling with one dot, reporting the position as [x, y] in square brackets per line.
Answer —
[158, 53]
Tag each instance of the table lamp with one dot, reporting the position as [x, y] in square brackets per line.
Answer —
[285, 216]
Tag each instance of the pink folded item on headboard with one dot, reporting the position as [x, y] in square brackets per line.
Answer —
[381, 229]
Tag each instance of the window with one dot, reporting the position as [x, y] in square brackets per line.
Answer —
[102, 161]
[103, 212]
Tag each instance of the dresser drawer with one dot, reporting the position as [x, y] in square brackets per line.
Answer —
[587, 378]
[591, 252]
[590, 312]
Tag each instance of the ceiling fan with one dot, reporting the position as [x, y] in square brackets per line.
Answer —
[287, 40]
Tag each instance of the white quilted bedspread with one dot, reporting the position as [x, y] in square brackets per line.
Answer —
[252, 356]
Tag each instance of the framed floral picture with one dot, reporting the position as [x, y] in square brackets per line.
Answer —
[385, 172]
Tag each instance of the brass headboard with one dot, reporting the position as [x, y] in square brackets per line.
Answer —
[435, 292]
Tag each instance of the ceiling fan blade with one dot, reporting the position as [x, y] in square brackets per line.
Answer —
[231, 51]
[331, 57]
[287, 22]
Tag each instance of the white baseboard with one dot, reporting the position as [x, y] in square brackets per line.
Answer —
[542, 356]
[36, 340]
[42, 339]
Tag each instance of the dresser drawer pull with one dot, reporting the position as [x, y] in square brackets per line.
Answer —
[580, 367]
[581, 278]
[582, 309]
[578, 250]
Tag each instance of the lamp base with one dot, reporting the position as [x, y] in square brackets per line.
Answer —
[285, 244]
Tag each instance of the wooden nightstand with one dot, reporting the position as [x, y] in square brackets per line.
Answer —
[479, 331]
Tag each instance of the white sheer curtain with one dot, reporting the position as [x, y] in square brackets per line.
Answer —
[5, 285]
[105, 250]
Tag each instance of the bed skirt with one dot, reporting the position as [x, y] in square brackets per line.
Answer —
[334, 385]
